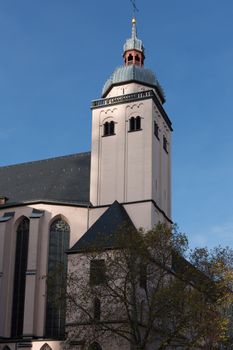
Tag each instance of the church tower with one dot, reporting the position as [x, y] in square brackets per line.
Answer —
[131, 141]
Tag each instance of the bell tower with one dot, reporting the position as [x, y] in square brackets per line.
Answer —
[131, 141]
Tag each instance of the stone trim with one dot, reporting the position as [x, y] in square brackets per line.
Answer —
[136, 96]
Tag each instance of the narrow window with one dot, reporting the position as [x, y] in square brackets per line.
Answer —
[59, 236]
[21, 255]
[130, 58]
[97, 272]
[131, 124]
[96, 309]
[143, 275]
[156, 130]
[109, 128]
[142, 311]
[138, 123]
[106, 126]
[165, 144]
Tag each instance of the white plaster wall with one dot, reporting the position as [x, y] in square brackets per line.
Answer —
[95, 213]
[140, 214]
[129, 89]
[36, 345]
[139, 153]
[130, 166]
[161, 169]
[121, 166]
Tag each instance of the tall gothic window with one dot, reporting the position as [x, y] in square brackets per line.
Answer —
[21, 255]
[59, 237]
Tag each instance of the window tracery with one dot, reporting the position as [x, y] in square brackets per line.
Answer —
[59, 235]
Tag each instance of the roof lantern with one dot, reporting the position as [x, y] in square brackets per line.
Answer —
[133, 48]
[133, 69]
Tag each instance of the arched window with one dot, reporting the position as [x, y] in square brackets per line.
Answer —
[131, 124]
[135, 123]
[138, 123]
[106, 127]
[109, 128]
[59, 236]
[130, 58]
[137, 58]
[21, 255]
[46, 347]
[95, 346]
[96, 309]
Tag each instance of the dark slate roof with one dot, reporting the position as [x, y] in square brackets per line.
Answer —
[103, 234]
[61, 179]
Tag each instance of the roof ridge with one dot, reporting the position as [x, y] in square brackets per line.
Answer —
[104, 231]
[46, 159]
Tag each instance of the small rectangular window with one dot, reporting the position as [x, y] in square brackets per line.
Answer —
[156, 130]
[97, 272]
[97, 309]
[143, 275]
[165, 144]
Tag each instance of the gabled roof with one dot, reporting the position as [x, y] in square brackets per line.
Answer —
[103, 234]
[62, 179]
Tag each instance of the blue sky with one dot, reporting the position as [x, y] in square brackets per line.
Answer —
[56, 56]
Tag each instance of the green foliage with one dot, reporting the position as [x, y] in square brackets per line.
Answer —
[156, 292]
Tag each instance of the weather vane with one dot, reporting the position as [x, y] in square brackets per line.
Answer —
[135, 9]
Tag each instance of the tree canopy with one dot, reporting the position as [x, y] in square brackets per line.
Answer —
[151, 290]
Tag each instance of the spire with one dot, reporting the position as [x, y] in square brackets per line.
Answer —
[133, 48]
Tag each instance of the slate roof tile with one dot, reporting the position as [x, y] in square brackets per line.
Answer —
[60, 179]
[104, 232]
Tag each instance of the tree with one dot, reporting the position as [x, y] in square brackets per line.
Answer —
[144, 291]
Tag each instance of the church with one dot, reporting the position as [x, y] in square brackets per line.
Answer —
[54, 206]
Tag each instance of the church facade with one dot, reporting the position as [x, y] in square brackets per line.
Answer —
[54, 206]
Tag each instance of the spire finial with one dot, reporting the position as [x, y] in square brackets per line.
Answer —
[135, 9]
[134, 28]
